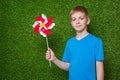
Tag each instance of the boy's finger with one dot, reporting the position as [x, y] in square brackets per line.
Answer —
[47, 51]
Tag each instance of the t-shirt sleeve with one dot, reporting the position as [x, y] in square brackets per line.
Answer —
[99, 52]
[66, 55]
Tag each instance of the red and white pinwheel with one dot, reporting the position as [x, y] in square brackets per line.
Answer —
[43, 25]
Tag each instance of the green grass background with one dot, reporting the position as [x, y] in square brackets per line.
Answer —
[22, 53]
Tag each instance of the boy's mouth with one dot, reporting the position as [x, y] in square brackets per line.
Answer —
[78, 25]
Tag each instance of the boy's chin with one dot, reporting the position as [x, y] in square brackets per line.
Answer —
[80, 29]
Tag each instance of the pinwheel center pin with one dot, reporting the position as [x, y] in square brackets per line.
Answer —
[42, 25]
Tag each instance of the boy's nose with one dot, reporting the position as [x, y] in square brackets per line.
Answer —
[77, 21]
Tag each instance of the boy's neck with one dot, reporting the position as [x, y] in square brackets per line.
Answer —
[80, 35]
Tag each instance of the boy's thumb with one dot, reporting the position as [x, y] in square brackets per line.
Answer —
[49, 48]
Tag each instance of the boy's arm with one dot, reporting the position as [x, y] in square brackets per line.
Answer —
[100, 70]
[51, 57]
[61, 64]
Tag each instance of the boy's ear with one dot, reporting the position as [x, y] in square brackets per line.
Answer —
[88, 20]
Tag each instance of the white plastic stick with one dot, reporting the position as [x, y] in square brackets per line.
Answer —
[47, 48]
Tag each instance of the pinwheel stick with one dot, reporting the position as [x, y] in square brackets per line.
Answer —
[47, 48]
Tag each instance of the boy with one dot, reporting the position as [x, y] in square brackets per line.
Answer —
[83, 55]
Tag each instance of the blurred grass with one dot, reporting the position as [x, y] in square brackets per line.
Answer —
[22, 53]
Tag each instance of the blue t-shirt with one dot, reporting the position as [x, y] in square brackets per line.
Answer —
[82, 55]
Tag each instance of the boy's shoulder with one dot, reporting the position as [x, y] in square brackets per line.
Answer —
[71, 39]
[96, 38]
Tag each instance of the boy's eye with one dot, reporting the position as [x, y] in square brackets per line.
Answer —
[73, 19]
[81, 18]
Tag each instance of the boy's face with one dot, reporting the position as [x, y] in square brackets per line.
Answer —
[79, 21]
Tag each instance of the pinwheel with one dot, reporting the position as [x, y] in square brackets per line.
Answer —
[43, 25]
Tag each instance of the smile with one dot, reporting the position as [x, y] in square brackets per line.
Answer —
[78, 25]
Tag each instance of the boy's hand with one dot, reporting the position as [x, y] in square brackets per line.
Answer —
[50, 55]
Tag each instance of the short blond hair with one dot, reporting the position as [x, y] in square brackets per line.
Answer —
[79, 9]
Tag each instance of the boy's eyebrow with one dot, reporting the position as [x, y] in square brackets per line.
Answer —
[77, 17]
[73, 17]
